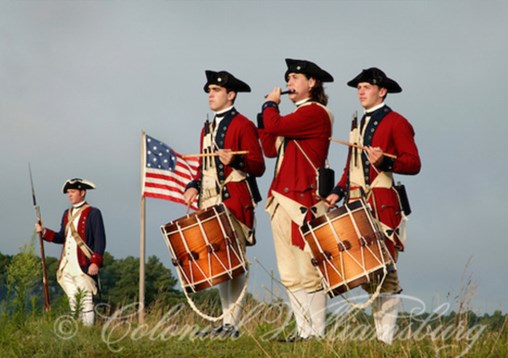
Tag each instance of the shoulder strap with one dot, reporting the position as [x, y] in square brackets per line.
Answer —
[305, 155]
[70, 226]
[330, 116]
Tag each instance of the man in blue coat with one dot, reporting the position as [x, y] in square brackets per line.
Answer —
[83, 236]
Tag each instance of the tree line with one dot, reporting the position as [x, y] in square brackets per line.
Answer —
[21, 282]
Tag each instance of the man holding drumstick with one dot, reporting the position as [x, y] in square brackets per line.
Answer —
[226, 177]
[369, 174]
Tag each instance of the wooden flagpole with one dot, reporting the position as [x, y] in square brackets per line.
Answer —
[141, 313]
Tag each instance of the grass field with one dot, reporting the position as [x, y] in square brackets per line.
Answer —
[171, 328]
[171, 332]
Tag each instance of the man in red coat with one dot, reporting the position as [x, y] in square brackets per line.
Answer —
[300, 142]
[83, 236]
[229, 178]
[369, 174]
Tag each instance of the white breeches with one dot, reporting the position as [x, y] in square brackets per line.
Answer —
[78, 290]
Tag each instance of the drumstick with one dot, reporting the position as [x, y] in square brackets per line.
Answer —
[359, 147]
[214, 154]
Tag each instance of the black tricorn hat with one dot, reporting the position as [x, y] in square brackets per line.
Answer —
[226, 80]
[375, 76]
[77, 183]
[307, 68]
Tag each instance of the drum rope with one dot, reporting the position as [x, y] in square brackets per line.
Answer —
[218, 318]
[385, 271]
[193, 260]
[372, 297]
[338, 240]
[225, 235]
[351, 256]
[362, 238]
[179, 270]
[358, 234]
[209, 245]
[376, 230]
[326, 278]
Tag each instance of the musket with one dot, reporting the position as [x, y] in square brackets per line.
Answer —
[47, 306]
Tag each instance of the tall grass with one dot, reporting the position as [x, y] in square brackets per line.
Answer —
[172, 332]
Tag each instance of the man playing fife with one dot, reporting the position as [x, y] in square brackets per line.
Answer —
[300, 142]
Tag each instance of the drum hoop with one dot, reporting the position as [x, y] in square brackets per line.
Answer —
[209, 280]
[191, 219]
[332, 214]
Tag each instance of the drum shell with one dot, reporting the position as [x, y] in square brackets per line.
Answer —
[345, 259]
[204, 247]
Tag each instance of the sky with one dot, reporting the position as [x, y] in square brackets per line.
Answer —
[81, 80]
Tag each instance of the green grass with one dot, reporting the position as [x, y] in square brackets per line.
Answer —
[169, 334]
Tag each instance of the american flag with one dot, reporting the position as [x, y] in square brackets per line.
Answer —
[166, 173]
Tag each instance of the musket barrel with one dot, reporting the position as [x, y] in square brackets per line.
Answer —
[47, 305]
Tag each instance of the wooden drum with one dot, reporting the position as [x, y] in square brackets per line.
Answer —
[347, 247]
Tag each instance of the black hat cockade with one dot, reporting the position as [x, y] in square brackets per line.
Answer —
[307, 68]
[226, 80]
[375, 76]
[77, 183]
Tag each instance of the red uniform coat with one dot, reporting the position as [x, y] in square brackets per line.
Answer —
[91, 230]
[393, 134]
[311, 126]
[236, 132]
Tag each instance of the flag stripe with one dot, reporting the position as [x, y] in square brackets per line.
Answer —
[166, 180]
[155, 176]
[154, 187]
[166, 197]
[166, 173]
